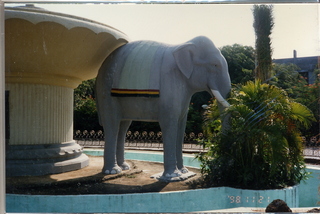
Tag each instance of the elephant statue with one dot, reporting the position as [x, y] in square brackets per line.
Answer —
[151, 81]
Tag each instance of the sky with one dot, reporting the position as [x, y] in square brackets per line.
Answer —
[296, 25]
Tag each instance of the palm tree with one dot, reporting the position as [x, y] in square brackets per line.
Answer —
[263, 24]
[263, 147]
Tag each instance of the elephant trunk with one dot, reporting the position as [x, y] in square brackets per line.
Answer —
[220, 99]
[224, 104]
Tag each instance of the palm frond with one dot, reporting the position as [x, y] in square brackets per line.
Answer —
[302, 114]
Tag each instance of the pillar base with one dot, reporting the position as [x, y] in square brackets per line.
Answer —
[33, 160]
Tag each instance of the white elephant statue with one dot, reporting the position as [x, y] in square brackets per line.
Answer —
[151, 81]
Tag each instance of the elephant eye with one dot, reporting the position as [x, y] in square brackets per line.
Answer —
[212, 66]
[214, 63]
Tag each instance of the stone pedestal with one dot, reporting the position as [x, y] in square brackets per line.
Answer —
[40, 140]
[47, 55]
[42, 159]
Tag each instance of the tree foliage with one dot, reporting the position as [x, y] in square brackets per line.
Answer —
[85, 110]
[240, 62]
[263, 25]
[262, 148]
[288, 78]
[309, 95]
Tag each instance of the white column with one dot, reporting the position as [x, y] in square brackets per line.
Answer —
[40, 114]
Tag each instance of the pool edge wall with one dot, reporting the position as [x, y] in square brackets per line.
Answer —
[178, 201]
[309, 190]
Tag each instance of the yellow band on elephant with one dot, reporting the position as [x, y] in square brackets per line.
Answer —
[134, 93]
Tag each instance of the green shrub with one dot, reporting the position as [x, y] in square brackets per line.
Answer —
[262, 148]
[86, 115]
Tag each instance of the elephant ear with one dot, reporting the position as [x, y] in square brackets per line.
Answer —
[184, 57]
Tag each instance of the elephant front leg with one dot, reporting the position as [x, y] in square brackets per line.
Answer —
[179, 144]
[110, 162]
[170, 163]
[170, 160]
[124, 125]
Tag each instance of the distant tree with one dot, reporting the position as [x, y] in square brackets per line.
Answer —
[83, 91]
[288, 78]
[85, 110]
[309, 95]
[86, 116]
[240, 62]
[263, 24]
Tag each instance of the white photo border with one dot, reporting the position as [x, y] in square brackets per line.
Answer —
[2, 55]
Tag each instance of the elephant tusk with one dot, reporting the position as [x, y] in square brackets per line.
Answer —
[220, 99]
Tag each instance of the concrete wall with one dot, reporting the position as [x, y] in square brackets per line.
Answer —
[179, 201]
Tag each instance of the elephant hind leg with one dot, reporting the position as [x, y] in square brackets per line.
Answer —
[111, 133]
[124, 125]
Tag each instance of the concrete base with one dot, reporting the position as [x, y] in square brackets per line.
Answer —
[33, 160]
[183, 177]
